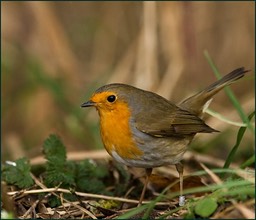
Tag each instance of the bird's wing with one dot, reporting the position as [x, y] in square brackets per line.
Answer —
[174, 123]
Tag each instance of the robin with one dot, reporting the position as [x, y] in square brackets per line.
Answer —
[142, 129]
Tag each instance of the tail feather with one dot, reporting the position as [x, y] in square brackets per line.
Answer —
[197, 102]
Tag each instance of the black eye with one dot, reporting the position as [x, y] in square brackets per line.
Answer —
[111, 98]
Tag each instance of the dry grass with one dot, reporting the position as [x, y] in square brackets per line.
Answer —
[54, 54]
[34, 202]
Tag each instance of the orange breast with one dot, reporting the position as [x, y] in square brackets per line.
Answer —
[116, 134]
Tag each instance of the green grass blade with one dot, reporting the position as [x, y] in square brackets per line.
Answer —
[248, 162]
[133, 212]
[240, 135]
[153, 203]
[229, 93]
[223, 118]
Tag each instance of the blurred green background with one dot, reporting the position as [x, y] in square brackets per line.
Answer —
[55, 54]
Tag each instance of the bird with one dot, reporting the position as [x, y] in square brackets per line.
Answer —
[142, 129]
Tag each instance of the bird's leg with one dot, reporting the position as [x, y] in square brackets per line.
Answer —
[148, 173]
[179, 168]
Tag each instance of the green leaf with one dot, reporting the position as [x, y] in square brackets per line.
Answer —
[60, 175]
[189, 215]
[58, 170]
[125, 176]
[91, 185]
[90, 177]
[18, 175]
[190, 209]
[54, 150]
[90, 169]
[206, 207]
[54, 201]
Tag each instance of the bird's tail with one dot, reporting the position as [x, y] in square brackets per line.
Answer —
[198, 102]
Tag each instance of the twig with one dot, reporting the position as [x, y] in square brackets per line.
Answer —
[44, 188]
[247, 213]
[96, 196]
[214, 177]
[220, 215]
[102, 154]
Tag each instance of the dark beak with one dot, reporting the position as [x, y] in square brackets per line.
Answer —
[88, 104]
